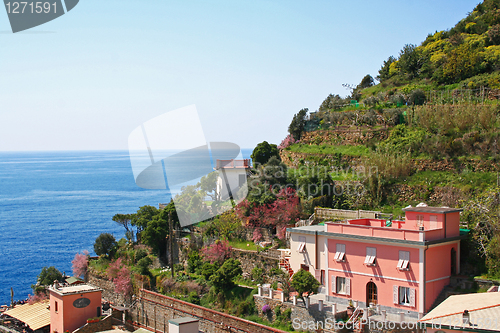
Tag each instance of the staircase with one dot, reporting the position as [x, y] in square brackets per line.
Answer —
[285, 265]
[445, 293]
[305, 223]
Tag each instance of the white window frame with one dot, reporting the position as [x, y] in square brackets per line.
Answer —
[340, 254]
[371, 256]
[302, 244]
[420, 220]
[404, 260]
[404, 296]
[341, 285]
[346, 290]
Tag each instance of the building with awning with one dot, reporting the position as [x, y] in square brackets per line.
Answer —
[35, 316]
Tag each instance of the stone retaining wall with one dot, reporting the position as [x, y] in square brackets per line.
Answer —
[300, 314]
[102, 325]
[108, 288]
[152, 311]
[251, 259]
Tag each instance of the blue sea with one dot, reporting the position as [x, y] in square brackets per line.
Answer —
[55, 204]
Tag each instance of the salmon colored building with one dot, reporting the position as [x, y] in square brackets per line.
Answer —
[71, 306]
[402, 266]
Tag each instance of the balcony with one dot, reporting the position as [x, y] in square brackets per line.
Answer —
[383, 229]
[233, 164]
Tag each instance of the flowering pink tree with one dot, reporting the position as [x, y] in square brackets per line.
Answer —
[287, 142]
[123, 283]
[257, 235]
[38, 297]
[217, 252]
[80, 263]
[278, 214]
[120, 275]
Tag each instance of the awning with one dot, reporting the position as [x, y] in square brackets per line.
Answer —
[35, 316]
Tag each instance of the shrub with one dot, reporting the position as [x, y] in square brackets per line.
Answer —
[139, 254]
[80, 263]
[266, 308]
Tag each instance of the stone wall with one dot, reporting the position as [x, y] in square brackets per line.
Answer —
[341, 136]
[102, 325]
[152, 311]
[108, 288]
[251, 259]
[300, 314]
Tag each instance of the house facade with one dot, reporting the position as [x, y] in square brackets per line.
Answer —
[231, 179]
[402, 266]
[71, 306]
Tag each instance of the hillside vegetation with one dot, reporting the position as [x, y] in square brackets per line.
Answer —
[429, 131]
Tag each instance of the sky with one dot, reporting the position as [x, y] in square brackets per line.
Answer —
[87, 79]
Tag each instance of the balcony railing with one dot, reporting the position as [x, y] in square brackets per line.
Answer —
[233, 164]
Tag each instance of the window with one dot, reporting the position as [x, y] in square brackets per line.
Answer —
[404, 260]
[302, 244]
[56, 306]
[322, 277]
[371, 254]
[340, 254]
[404, 295]
[341, 285]
[420, 220]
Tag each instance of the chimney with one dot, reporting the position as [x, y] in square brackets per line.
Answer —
[466, 318]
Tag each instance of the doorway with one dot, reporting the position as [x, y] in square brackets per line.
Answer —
[453, 261]
[371, 293]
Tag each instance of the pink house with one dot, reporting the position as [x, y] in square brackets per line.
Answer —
[402, 266]
[71, 306]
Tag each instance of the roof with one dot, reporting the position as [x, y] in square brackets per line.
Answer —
[72, 280]
[481, 306]
[436, 210]
[74, 289]
[183, 320]
[142, 330]
[35, 316]
[308, 228]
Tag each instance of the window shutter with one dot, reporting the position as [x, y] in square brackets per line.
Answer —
[334, 284]
[412, 297]
[317, 274]
[348, 286]
[395, 294]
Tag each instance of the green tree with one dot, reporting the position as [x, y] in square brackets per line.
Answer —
[208, 269]
[410, 61]
[46, 277]
[105, 244]
[155, 234]
[366, 82]
[383, 73]
[194, 262]
[263, 152]
[142, 217]
[305, 284]
[222, 279]
[298, 124]
[124, 220]
[143, 265]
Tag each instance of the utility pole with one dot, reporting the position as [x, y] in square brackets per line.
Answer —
[171, 236]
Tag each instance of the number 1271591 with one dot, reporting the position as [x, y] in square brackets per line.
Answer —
[22, 7]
